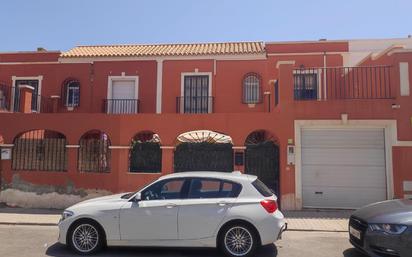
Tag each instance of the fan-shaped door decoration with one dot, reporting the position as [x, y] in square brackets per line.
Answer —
[204, 136]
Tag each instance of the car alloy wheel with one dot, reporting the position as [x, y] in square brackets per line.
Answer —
[85, 238]
[238, 241]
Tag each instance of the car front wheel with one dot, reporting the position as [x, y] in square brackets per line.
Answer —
[85, 238]
[238, 241]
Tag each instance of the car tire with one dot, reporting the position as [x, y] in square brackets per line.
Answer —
[86, 237]
[238, 240]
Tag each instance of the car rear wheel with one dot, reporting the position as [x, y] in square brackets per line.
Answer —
[86, 238]
[238, 241]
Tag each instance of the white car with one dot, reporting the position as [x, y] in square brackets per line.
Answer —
[232, 211]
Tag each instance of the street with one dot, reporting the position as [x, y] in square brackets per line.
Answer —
[42, 241]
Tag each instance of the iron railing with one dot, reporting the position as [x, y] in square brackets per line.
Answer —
[194, 104]
[334, 83]
[121, 106]
[42, 150]
[94, 155]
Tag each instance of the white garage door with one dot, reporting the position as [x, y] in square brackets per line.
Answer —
[343, 168]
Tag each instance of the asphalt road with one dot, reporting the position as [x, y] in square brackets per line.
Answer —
[41, 241]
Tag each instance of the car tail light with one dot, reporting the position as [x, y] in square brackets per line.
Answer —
[269, 205]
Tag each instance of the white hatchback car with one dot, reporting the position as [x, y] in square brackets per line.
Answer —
[232, 211]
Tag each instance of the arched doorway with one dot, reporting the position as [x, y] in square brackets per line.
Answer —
[40, 150]
[262, 158]
[203, 150]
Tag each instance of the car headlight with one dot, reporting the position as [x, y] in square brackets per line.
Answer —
[392, 229]
[66, 214]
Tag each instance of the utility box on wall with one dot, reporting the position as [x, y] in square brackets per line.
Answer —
[291, 155]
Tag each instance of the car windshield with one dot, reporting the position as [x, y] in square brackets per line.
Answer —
[128, 195]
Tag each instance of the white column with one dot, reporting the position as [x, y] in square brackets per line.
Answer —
[159, 85]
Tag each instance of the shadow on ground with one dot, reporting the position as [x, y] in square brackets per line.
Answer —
[59, 250]
[318, 214]
[352, 252]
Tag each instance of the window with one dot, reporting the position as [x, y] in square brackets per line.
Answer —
[262, 188]
[35, 101]
[71, 92]
[165, 189]
[251, 89]
[196, 96]
[306, 86]
[3, 97]
[212, 188]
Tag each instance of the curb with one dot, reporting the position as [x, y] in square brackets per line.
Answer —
[27, 224]
[316, 230]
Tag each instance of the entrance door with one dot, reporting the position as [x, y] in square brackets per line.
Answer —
[35, 101]
[196, 98]
[203, 157]
[262, 160]
[343, 168]
[123, 97]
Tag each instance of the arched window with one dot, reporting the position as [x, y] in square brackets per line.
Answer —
[94, 152]
[43, 150]
[145, 153]
[71, 93]
[252, 89]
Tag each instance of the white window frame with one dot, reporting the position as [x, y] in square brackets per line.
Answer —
[111, 79]
[15, 78]
[318, 73]
[67, 94]
[182, 87]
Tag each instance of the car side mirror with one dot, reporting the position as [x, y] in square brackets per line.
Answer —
[137, 197]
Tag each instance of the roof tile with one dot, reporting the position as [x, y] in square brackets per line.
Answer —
[232, 48]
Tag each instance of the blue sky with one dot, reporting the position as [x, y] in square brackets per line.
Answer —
[60, 25]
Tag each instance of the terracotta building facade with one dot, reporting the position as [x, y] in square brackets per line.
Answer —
[325, 124]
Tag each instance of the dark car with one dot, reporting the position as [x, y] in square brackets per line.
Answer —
[383, 229]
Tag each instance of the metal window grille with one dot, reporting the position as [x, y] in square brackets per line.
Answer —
[305, 85]
[94, 153]
[121, 106]
[42, 150]
[73, 94]
[196, 98]
[252, 92]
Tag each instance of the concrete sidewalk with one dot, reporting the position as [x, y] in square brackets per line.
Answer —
[331, 221]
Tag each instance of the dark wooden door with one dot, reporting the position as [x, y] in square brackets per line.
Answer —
[203, 157]
[262, 160]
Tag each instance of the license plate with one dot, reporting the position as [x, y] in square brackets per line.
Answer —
[354, 232]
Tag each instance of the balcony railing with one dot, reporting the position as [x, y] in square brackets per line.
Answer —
[121, 106]
[194, 104]
[39, 103]
[335, 83]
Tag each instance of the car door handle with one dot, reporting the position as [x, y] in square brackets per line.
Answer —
[222, 203]
[170, 205]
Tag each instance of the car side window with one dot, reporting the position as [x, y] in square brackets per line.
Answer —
[212, 188]
[162, 190]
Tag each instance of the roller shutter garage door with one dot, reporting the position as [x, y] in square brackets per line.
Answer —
[343, 168]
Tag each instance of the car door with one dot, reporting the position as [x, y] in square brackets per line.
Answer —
[207, 203]
[154, 217]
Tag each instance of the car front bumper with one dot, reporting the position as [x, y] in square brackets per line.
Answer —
[378, 244]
